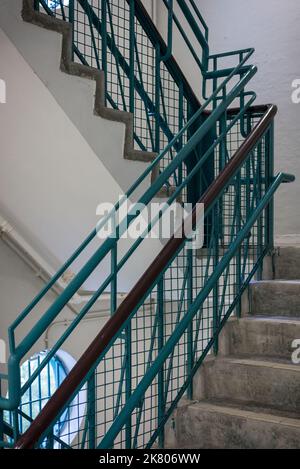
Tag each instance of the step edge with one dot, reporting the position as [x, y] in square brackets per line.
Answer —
[245, 413]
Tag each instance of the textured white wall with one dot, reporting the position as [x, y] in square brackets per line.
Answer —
[18, 286]
[51, 180]
[273, 28]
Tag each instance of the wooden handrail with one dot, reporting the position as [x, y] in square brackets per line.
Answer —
[77, 375]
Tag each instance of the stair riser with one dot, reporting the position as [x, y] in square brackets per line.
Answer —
[198, 428]
[270, 386]
[272, 339]
[287, 263]
[275, 299]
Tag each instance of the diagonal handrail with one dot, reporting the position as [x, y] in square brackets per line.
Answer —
[75, 379]
[17, 353]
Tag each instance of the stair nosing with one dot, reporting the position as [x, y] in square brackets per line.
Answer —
[246, 413]
[260, 362]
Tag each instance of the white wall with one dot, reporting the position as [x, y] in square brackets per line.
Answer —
[273, 28]
[41, 49]
[51, 180]
[18, 286]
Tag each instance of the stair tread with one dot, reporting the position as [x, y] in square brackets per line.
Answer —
[248, 410]
[269, 319]
[276, 281]
[270, 362]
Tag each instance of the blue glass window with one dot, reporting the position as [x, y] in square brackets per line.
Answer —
[38, 394]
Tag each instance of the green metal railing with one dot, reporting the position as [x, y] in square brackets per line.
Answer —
[141, 75]
[147, 361]
[110, 246]
[144, 359]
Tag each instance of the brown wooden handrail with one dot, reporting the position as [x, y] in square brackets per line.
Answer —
[78, 374]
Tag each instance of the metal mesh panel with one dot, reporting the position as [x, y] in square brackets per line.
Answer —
[103, 40]
[136, 347]
[137, 81]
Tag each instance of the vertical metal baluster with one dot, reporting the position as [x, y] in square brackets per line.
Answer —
[215, 82]
[269, 174]
[170, 32]
[40, 385]
[161, 381]
[128, 384]
[114, 282]
[242, 103]
[259, 221]
[238, 280]
[30, 390]
[216, 220]
[157, 98]
[91, 410]
[180, 125]
[1, 416]
[93, 40]
[132, 55]
[71, 20]
[17, 423]
[50, 439]
[104, 43]
[190, 356]
[37, 5]
[222, 164]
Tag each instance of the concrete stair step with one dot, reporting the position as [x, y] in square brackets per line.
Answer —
[225, 426]
[272, 384]
[271, 337]
[287, 263]
[275, 298]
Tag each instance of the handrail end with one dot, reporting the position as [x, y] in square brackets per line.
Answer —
[288, 178]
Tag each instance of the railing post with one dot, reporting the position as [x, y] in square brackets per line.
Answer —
[259, 221]
[238, 280]
[50, 439]
[190, 357]
[91, 410]
[216, 319]
[128, 385]
[157, 98]
[71, 20]
[15, 420]
[161, 381]
[132, 55]
[1, 417]
[104, 43]
[114, 282]
[36, 5]
[180, 125]
[170, 32]
[269, 174]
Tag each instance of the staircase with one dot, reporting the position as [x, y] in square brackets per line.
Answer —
[249, 396]
[157, 347]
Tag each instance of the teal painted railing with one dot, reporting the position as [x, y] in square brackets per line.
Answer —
[146, 362]
[141, 74]
[144, 359]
